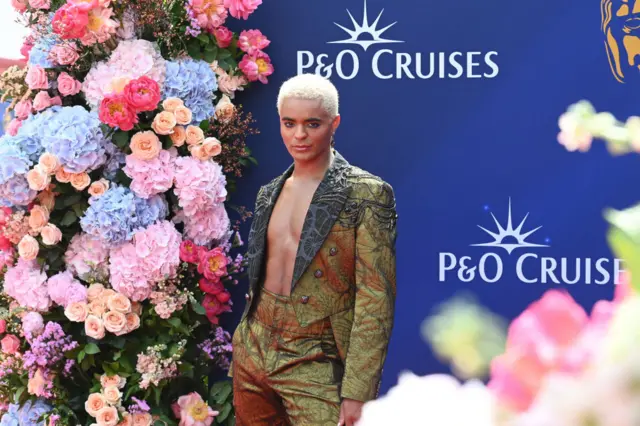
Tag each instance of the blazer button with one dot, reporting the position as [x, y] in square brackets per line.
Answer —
[304, 299]
[333, 251]
[318, 273]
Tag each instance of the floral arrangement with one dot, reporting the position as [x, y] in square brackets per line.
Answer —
[555, 364]
[122, 147]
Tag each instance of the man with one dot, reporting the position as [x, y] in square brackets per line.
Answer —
[312, 341]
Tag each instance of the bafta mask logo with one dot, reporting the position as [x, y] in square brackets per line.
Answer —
[621, 28]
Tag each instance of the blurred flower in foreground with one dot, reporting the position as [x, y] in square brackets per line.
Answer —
[466, 335]
[432, 400]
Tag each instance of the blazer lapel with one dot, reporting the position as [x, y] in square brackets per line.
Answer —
[260, 223]
[326, 204]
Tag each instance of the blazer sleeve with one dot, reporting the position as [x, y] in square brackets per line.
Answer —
[375, 280]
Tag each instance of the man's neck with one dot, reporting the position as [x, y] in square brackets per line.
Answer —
[313, 170]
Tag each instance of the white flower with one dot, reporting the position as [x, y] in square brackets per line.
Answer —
[432, 400]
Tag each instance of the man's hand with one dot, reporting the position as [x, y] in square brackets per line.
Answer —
[350, 411]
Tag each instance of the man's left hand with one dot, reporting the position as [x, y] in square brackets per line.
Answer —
[350, 411]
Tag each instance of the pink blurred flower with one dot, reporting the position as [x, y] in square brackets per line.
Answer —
[242, 8]
[152, 256]
[14, 126]
[193, 411]
[19, 5]
[10, 344]
[86, 257]
[40, 4]
[32, 325]
[3, 326]
[116, 112]
[26, 283]
[70, 21]
[100, 26]
[223, 36]
[189, 252]
[151, 177]
[64, 289]
[41, 101]
[256, 67]
[37, 78]
[23, 109]
[252, 41]
[68, 85]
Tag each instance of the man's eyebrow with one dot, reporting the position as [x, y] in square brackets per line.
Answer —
[308, 119]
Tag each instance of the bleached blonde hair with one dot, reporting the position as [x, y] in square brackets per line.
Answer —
[311, 87]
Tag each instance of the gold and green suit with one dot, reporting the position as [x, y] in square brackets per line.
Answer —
[295, 358]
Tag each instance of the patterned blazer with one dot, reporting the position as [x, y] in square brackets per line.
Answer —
[345, 267]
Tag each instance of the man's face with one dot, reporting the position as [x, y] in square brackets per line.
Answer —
[306, 128]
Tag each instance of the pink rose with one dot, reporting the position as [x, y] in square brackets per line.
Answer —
[56, 100]
[37, 78]
[51, 235]
[23, 109]
[223, 37]
[42, 101]
[68, 85]
[40, 4]
[14, 126]
[65, 54]
[10, 344]
[3, 326]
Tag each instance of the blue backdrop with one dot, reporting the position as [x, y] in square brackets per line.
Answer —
[457, 150]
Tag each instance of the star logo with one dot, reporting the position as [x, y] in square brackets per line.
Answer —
[365, 28]
[510, 234]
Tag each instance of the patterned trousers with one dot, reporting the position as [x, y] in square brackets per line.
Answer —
[284, 374]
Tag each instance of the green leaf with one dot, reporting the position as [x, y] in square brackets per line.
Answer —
[209, 56]
[220, 391]
[80, 208]
[253, 160]
[121, 177]
[204, 38]
[157, 393]
[211, 47]
[91, 349]
[186, 369]
[81, 356]
[197, 307]
[71, 200]
[19, 392]
[121, 139]
[223, 54]
[175, 322]
[68, 219]
[204, 125]
[224, 412]
[193, 48]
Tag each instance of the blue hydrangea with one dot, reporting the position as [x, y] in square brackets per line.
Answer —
[195, 83]
[74, 135]
[116, 161]
[30, 134]
[10, 418]
[13, 160]
[39, 53]
[30, 413]
[118, 213]
[16, 192]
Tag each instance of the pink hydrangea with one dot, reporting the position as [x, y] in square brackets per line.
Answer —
[7, 257]
[242, 8]
[32, 324]
[199, 185]
[152, 256]
[64, 289]
[130, 60]
[86, 258]
[207, 226]
[27, 283]
[151, 177]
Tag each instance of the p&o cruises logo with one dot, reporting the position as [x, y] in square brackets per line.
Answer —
[530, 267]
[387, 63]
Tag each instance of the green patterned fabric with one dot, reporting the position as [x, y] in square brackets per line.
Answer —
[344, 270]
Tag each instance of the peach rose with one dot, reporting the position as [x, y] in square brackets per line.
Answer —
[97, 307]
[37, 383]
[112, 394]
[106, 294]
[51, 234]
[63, 176]
[164, 122]
[119, 303]
[171, 104]
[28, 247]
[49, 163]
[127, 420]
[80, 180]
[133, 322]
[94, 404]
[47, 199]
[225, 110]
[95, 292]
[38, 179]
[195, 135]
[94, 327]
[142, 419]
[38, 217]
[145, 145]
[98, 187]
[197, 151]
[136, 308]
[211, 147]
[108, 416]
[76, 311]
[114, 322]
[178, 136]
[117, 381]
[183, 115]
